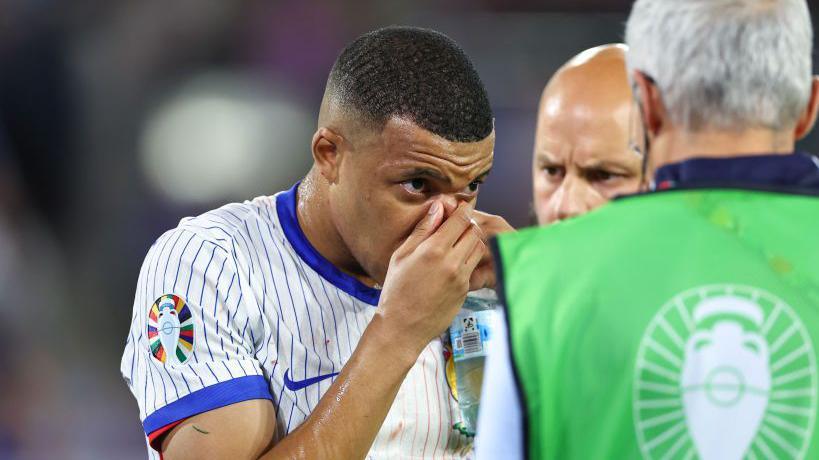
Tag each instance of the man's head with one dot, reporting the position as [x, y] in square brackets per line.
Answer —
[405, 120]
[582, 154]
[721, 68]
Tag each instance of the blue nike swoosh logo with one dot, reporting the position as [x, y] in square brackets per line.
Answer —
[298, 385]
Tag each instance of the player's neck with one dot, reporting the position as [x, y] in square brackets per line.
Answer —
[315, 221]
[677, 145]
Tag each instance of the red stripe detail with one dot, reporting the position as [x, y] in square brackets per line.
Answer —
[426, 393]
[415, 418]
[404, 417]
[440, 406]
[156, 437]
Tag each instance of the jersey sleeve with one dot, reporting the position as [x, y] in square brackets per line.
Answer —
[191, 345]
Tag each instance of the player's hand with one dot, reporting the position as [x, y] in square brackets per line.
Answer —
[490, 225]
[428, 276]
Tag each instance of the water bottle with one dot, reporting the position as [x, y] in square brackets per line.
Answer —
[470, 333]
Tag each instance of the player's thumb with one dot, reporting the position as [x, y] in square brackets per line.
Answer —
[426, 226]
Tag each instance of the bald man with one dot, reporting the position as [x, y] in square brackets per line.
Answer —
[583, 158]
[582, 155]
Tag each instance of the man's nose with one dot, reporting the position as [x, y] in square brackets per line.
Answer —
[576, 198]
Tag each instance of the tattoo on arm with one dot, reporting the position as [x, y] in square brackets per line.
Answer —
[200, 430]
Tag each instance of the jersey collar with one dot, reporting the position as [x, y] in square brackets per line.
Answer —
[794, 170]
[286, 210]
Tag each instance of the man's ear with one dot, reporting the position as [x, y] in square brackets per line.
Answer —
[326, 148]
[653, 110]
[808, 118]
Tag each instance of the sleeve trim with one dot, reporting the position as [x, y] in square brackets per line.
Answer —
[208, 398]
[156, 437]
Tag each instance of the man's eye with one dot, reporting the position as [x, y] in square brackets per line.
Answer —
[415, 185]
[554, 171]
[600, 175]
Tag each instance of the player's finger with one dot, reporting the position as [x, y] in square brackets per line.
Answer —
[475, 256]
[426, 226]
[451, 230]
[465, 245]
[491, 225]
[483, 276]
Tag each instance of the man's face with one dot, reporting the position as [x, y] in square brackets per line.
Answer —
[582, 158]
[388, 180]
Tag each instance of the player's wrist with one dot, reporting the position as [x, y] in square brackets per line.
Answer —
[399, 344]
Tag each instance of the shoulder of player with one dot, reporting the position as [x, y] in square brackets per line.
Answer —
[231, 228]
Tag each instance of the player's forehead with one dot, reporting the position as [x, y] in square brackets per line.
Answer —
[408, 146]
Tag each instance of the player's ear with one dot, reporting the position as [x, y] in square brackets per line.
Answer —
[808, 118]
[326, 148]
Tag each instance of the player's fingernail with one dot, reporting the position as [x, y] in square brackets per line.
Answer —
[436, 206]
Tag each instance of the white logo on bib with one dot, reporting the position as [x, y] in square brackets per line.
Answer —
[725, 372]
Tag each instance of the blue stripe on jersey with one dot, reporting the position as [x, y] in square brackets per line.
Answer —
[276, 290]
[310, 328]
[335, 325]
[209, 398]
[286, 209]
[202, 305]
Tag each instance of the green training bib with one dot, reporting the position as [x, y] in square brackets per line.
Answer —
[674, 325]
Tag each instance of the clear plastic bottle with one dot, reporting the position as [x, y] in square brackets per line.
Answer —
[470, 332]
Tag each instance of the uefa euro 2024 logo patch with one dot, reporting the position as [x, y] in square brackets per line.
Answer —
[170, 330]
[725, 372]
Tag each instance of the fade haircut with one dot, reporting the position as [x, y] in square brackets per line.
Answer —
[412, 73]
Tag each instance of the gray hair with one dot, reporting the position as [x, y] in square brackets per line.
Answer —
[725, 64]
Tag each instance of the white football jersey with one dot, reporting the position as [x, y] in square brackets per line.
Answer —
[236, 304]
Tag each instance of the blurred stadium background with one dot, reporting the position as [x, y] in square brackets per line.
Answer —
[118, 118]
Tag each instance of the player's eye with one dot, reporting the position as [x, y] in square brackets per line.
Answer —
[415, 186]
[473, 186]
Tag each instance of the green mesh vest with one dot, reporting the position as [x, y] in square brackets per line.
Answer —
[671, 325]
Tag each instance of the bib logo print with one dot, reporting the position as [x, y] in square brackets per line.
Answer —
[725, 372]
[170, 330]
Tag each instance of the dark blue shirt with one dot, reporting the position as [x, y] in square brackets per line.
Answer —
[797, 171]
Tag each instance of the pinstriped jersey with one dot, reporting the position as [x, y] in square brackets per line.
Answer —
[235, 304]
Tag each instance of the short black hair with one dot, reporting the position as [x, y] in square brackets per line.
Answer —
[415, 73]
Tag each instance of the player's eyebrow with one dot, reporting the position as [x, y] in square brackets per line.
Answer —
[427, 173]
[437, 175]
[483, 175]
